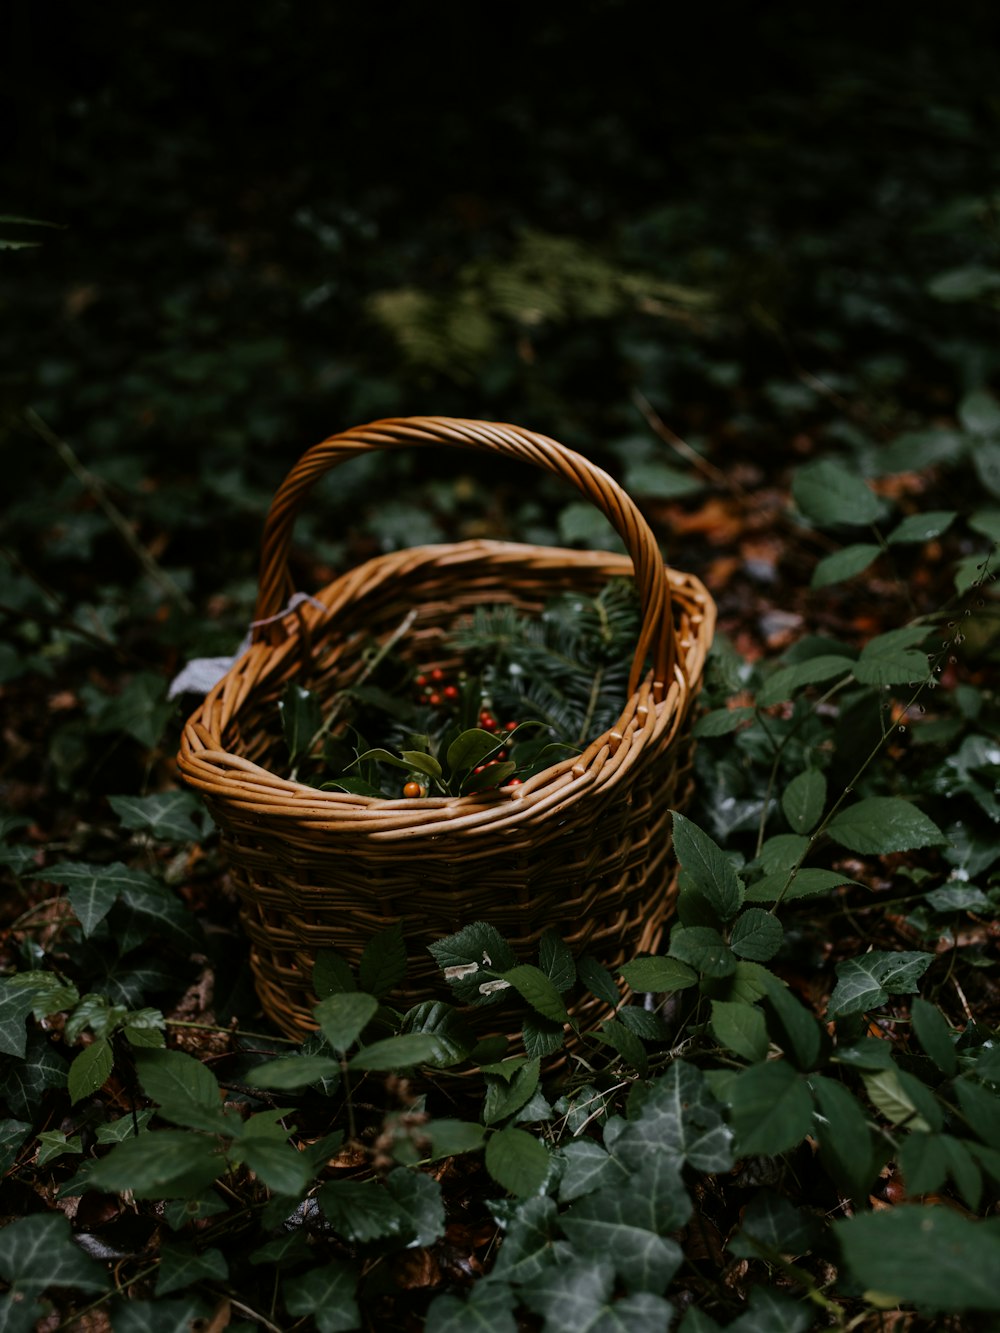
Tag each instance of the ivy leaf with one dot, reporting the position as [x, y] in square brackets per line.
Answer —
[24, 1081]
[16, 1003]
[658, 974]
[588, 1167]
[383, 962]
[167, 816]
[175, 1315]
[882, 824]
[517, 1160]
[756, 935]
[90, 1070]
[867, 982]
[773, 1226]
[844, 564]
[892, 658]
[488, 1309]
[931, 1257]
[419, 1199]
[343, 1017]
[831, 495]
[182, 1265]
[94, 889]
[740, 1028]
[680, 1121]
[578, 1298]
[326, 1294]
[533, 985]
[38, 1252]
[813, 671]
[626, 1226]
[707, 867]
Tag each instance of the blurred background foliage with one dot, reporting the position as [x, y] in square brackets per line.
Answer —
[777, 226]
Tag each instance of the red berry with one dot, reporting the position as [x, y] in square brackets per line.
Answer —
[491, 762]
[450, 692]
[434, 700]
[479, 769]
[488, 723]
[413, 789]
[437, 674]
[515, 782]
[421, 681]
[511, 726]
[501, 754]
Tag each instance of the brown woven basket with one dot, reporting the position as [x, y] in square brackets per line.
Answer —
[583, 847]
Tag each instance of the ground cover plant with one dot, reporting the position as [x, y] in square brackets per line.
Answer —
[787, 1119]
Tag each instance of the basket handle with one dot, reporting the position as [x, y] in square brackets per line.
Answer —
[656, 636]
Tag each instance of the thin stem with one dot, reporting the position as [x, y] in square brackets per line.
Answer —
[234, 1032]
[95, 487]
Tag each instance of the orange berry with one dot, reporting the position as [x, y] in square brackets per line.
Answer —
[413, 789]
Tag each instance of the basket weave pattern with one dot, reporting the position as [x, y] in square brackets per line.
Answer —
[583, 847]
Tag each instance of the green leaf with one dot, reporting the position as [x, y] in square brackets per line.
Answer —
[38, 1253]
[845, 564]
[813, 671]
[979, 413]
[934, 1035]
[598, 980]
[141, 709]
[791, 1025]
[166, 1164]
[343, 1017]
[722, 721]
[556, 961]
[419, 1199]
[541, 1037]
[493, 775]
[533, 985]
[509, 1091]
[625, 1042]
[771, 1110]
[282, 1169]
[830, 495]
[13, 1134]
[658, 480]
[470, 748]
[902, 1099]
[803, 800]
[382, 756]
[327, 1295]
[881, 824]
[54, 1144]
[891, 658]
[922, 527]
[332, 974]
[804, 884]
[167, 815]
[383, 963]
[773, 1227]
[707, 867]
[301, 718]
[981, 1108]
[450, 1030]
[404, 1052]
[772, 1312]
[24, 1081]
[578, 1298]
[182, 1265]
[361, 1210]
[174, 1315]
[740, 1028]
[703, 949]
[969, 282]
[867, 982]
[845, 1141]
[986, 461]
[931, 1257]
[419, 762]
[172, 1078]
[756, 935]
[450, 1138]
[658, 974]
[90, 1070]
[481, 945]
[517, 1161]
[94, 889]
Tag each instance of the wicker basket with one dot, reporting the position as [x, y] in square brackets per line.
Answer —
[583, 847]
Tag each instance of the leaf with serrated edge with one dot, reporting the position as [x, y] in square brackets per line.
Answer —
[343, 1017]
[90, 1070]
[533, 985]
[708, 867]
[882, 824]
[517, 1160]
[803, 800]
[658, 974]
[771, 1109]
[756, 935]
[740, 1028]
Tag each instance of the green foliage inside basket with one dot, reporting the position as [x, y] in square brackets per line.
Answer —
[536, 689]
